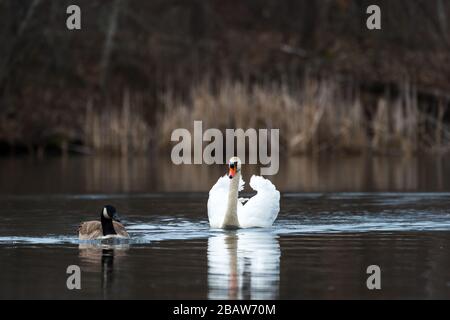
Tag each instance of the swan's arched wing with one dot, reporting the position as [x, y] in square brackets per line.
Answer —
[218, 200]
[262, 209]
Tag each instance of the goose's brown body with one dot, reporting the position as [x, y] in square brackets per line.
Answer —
[91, 230]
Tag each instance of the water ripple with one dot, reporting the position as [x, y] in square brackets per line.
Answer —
[167, 228]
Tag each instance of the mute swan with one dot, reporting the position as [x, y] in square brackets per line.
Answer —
[226, 211]
[107, 227]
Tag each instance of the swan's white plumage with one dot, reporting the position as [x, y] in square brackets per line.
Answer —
[218, 200]
[260, 210]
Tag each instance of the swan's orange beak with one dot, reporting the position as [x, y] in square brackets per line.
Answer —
[232, 172]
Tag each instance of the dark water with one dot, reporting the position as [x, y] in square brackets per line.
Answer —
[158, 174]
[319, 247]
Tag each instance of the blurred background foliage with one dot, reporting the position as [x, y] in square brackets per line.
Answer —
[139, 69]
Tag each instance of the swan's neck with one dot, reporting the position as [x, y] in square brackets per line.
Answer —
[230, 220]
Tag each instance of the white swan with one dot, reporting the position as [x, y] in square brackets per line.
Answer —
[226, 211]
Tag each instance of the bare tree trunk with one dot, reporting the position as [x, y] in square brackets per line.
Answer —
[107, 49]
[6, 63]
[442, 18]
[27, 18]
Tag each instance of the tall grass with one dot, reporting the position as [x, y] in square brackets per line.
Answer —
[315, 116]
[113, 130]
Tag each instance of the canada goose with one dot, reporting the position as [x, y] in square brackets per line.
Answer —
[107, 227]
[227, 211]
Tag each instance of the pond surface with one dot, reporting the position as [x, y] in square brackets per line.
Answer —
[115, 175]
[319, 247]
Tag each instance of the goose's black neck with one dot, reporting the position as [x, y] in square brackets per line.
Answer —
[107, 226]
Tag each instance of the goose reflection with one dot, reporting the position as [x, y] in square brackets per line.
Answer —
[102, 257]
[244, 264]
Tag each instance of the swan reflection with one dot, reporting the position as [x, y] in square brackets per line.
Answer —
[244, 265]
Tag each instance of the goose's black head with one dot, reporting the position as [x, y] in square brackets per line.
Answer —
[110, 213]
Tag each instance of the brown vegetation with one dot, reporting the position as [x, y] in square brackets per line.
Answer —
[312, 117]
[117, 131]
[68, 89]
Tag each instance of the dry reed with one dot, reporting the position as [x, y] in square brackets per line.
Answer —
[121, 131]
[313, 117]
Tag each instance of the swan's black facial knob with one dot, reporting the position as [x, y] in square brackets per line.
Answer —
[232, 170]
